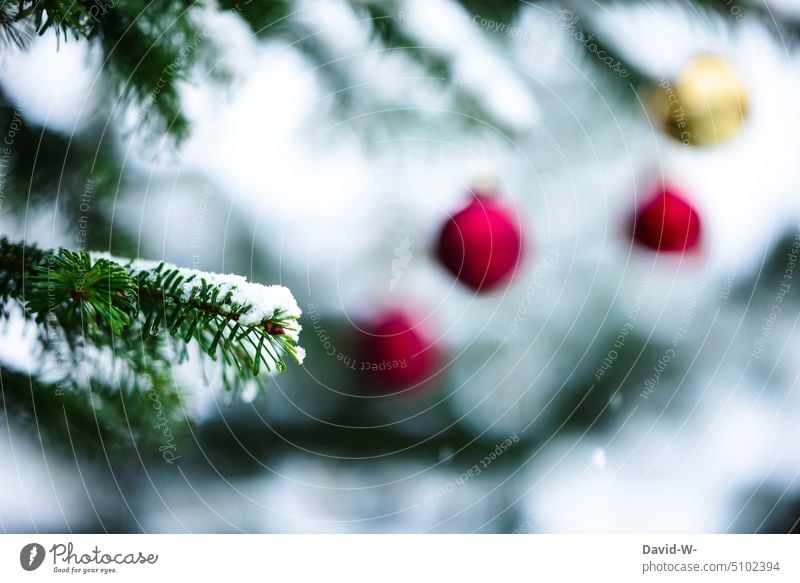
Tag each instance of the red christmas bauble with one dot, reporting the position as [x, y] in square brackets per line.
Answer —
[481, 244]
[396, 352]
[667, 222]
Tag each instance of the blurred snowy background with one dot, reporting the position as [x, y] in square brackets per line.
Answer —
[606, 388]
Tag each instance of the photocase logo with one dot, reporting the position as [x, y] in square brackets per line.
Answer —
[402, 257]
[31, 556]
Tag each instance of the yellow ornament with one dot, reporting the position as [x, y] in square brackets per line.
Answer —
[707, 104]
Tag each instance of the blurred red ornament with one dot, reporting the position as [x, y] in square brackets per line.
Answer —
[481, 244]
[396, 351]
[667, 222]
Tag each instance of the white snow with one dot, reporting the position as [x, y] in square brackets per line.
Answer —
[256, 302]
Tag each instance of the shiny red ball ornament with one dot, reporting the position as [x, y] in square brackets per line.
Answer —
[667, 222]
[481, 244]
[396, 352]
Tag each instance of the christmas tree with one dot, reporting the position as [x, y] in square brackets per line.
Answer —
[541, 254]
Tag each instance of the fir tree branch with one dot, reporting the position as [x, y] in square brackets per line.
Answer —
[104, 380]
[246, 325]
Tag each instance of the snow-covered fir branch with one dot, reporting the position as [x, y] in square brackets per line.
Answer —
[250, 303]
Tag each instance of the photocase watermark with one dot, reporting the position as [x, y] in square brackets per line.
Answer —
[777, 307]
[168, 448]
[67, 560]
[735, 10]
[348, 361]
[401, 257]
[98, 8]
[549, 262]
[31, 556]
[627, 328]
[671, 353]
[570, 21]
[476, 470]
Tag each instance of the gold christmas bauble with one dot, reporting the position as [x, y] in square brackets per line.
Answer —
[706, 105]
